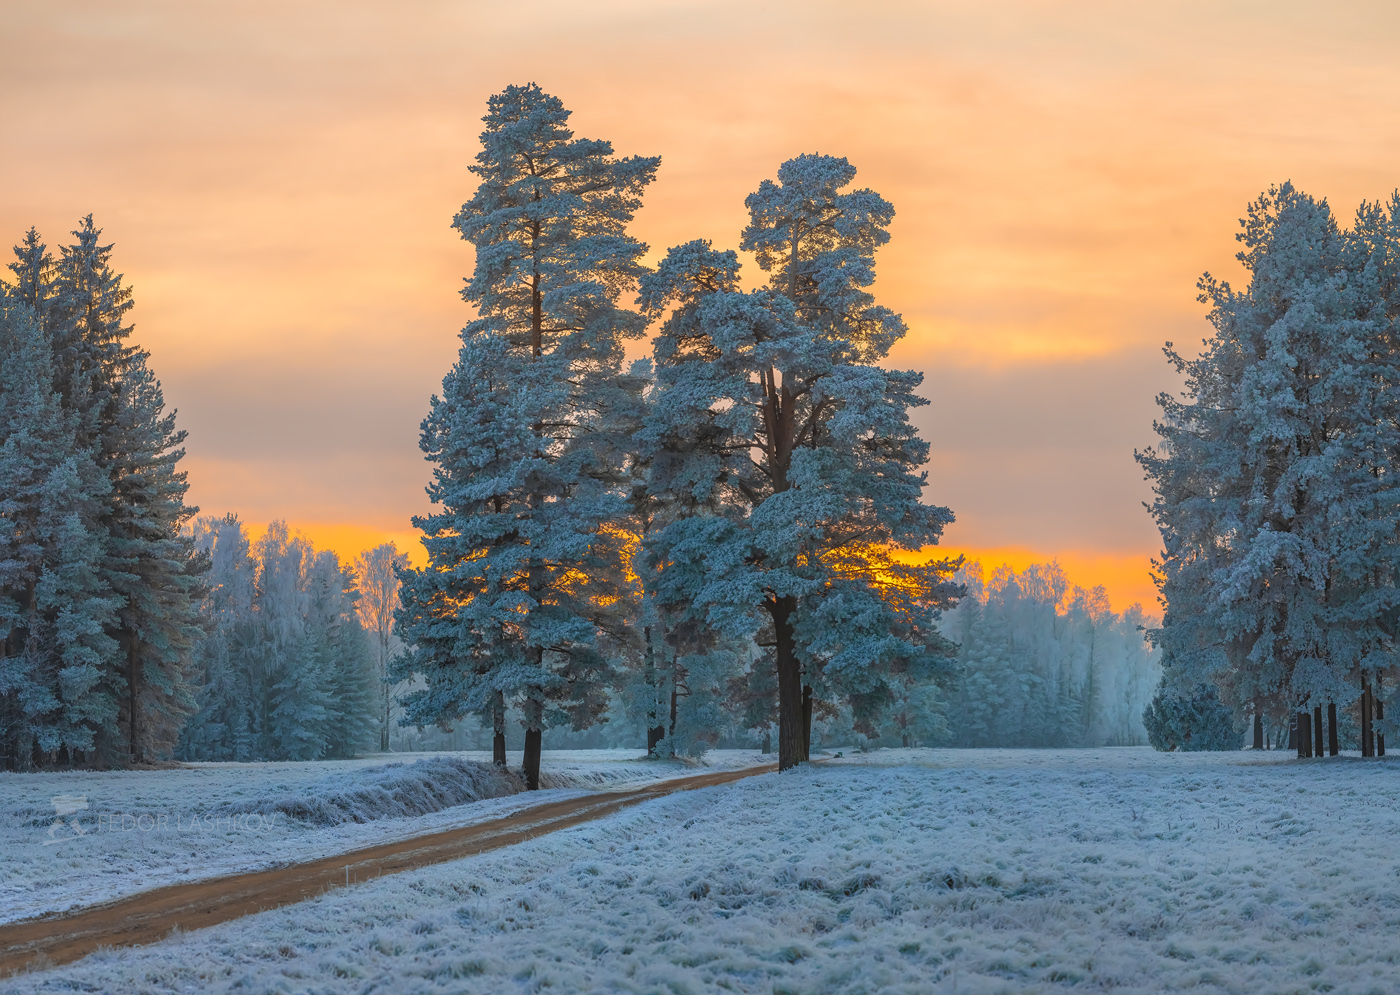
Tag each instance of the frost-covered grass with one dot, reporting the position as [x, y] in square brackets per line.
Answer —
[966, 871]
[144, 829]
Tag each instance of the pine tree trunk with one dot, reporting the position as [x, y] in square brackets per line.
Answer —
[1366, 745]
[1317, 730]
[384, 726]
[1258, 731]
[789, 684]
[806, 722]
[1293, 732]
[532, 759]
[1378, 696]
[133, 722]
[767, 742]
[1332, 728]
[498, 725]
[674, 701]
[655, 732]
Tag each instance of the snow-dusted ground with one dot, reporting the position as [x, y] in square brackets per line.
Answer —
[900, 871]
[144, 829]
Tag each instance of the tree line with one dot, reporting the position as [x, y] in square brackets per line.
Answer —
[1045, 664]
[725, 516]
[1275, 484]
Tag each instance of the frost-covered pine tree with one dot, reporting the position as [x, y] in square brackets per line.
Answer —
[525, 574]
[1273, 476]
[772, 410]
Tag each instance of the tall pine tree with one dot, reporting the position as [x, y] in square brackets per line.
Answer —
[525, 574]
[771, 410]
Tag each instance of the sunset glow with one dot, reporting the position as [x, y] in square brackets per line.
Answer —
[279, 183]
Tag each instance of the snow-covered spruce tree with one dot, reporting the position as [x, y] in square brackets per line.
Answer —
[1273, 476]
[55, 610]
[152, 563]
[771, 409]
[114, 409]
[525, 576]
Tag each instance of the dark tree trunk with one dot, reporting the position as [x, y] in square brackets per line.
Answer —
[498, 726]
[1332, 728]
[1317, 730]
[1379, 697]
[384, 723]
[806, 722]
[1258, 731]
[1367, 747]
[1293, 732]
[789, 684]
[532, 759]
[674, 701]
[654, 736]
[767, 743]
[133, 722]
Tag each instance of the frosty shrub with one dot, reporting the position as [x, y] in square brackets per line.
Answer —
[1195, 722]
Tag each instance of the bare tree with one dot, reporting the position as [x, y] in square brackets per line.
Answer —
[379, 598]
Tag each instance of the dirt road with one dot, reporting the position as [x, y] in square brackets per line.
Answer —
[151, 915]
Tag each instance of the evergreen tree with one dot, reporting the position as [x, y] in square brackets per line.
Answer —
[789, 373]
[524, 574]
[55, 611]
[152, 564]
[1197, 721]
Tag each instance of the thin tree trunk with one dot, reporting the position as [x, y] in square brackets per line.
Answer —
[1293, 732]
[1367, 747]
[806, 722]
[1258, 731]
[655, 730]
[1332, 728]
[498, 725]
[1317, 730]
[789, 684]
[133, 722]
[1379, 697]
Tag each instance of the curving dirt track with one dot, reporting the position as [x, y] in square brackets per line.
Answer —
[151, 915]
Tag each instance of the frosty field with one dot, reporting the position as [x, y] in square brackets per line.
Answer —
[909, 870]
[144, 829]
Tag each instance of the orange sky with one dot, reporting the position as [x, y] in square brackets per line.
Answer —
[279, 179]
